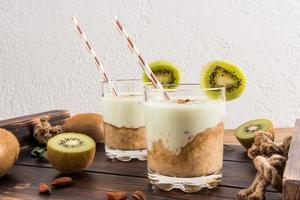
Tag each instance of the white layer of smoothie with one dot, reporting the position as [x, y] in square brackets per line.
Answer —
[177, 124]
[123, 111]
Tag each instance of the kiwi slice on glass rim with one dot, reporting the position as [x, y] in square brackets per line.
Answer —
[71, 152]
[219, 73]
[245, 133]
[166, 73]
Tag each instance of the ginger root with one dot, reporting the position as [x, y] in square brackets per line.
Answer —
[43, 130]
[263, 145]
[269, 159]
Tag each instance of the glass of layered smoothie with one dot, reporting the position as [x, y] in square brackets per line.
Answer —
[123, 120]
[185, 137]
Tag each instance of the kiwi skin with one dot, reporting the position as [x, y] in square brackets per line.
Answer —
[9, 150]
[160, 68]
[212, 69]
[68, 163]
[247, 142]
[90, 124]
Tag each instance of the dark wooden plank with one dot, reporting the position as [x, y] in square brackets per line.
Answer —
[22, 127]
[235, 153]
[291, 176]
[238, 170]
[235, 174]
[21, 182]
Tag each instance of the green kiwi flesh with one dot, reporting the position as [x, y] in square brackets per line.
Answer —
[71, 152]
[221, 73]
[245, 133]
[167, 73]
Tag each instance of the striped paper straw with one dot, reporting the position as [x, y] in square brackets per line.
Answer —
[93, 54]
[140, 58]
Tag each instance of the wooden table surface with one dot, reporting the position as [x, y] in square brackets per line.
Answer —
[280, 133]
[105, 175]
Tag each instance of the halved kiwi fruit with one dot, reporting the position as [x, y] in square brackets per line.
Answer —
[71, 152]
[221, 73]
[245, 133]
[167, 73]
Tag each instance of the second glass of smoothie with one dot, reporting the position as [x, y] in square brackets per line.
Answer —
[123, 118]
[185, 137]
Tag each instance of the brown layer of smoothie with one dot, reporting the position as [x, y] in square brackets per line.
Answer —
[203, 155]
[125, 138]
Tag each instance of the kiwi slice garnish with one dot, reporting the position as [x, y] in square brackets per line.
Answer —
[167, 73]
[245, 133]
[71, 152]
[220, 73]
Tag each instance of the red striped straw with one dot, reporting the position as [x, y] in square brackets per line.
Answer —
[93, 54]
[139, 57]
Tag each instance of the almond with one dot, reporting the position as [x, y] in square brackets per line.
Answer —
[183, 101]
[116, 195]
[43, 188]
[180, 101]
[138, 195]
[61, 182]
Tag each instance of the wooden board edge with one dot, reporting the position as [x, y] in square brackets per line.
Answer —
[291, 190]
[291, 176]
[22, 127]
[31, 118]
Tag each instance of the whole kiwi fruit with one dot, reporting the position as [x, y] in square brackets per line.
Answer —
[71, 152]
[90, 124]
[9, 150]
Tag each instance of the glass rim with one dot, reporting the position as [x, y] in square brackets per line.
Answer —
[123, 80]
[149, 86]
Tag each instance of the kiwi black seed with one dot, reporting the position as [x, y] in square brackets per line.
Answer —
[220, 73]
[71, 142]
[245, 133]
[71, 152]
[167, 73]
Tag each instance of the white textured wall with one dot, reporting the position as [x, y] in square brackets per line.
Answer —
[44, 66]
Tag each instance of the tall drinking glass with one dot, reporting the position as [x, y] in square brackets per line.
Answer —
[185, 137]
[123, 118]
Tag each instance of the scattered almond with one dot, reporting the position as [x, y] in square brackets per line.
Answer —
[61, 182]
[180, 101]
[183, 101]
[138, 195]
[116, 195]
[43, 188]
